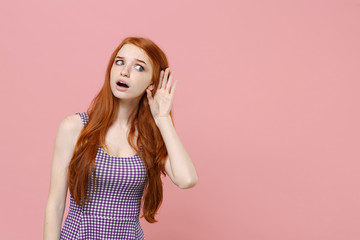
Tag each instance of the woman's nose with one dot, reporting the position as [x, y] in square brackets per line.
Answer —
[124, 71]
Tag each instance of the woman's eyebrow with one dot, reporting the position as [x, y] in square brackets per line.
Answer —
[135, 59]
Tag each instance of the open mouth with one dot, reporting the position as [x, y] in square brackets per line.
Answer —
[122, 84]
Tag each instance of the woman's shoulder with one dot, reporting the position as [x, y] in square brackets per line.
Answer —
[72, 121]
[71, 124]
[68, 132]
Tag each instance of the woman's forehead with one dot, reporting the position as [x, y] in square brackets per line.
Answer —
[133, 52]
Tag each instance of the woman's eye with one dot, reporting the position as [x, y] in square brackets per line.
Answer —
[140, 67]
[117, 61]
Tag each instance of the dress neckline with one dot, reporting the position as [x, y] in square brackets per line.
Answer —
[115, 156]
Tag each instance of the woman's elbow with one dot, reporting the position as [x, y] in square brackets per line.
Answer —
[188, 184]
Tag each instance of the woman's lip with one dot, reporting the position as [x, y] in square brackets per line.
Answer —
[124, 81]
[121, 89]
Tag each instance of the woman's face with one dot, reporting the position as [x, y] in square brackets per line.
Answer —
[132, 66]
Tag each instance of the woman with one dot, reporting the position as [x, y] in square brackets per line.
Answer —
[112, 156]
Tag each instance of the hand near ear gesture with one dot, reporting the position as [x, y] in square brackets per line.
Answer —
[161, 102]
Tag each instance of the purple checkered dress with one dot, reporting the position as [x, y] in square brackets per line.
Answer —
[113, 212]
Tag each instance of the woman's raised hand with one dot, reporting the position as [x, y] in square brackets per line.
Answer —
[161, 102]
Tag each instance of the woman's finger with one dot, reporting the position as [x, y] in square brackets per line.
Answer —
[168, 85]
[173, 89]
[164, 80]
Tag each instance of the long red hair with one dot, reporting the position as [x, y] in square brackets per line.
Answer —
[149, 144]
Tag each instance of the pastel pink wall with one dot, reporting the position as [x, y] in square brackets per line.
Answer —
[267, 105]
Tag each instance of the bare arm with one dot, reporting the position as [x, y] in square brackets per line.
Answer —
[178, 165]
[65, 141]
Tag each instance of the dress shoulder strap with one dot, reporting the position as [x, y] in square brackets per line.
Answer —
[84, 117]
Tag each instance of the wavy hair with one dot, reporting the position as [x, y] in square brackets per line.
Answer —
[149, 143]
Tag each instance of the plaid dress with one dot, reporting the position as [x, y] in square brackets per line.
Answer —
[113, 212]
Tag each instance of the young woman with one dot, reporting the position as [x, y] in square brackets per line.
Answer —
[111, 157]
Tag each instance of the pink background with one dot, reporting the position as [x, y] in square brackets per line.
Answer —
[267, 105]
